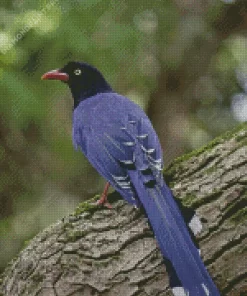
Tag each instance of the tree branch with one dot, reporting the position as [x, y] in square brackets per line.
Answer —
[97, 251]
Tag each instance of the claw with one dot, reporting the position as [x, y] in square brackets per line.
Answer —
[103, 199]
[104, 203]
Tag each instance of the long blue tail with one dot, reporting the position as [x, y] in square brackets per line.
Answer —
[173, 238]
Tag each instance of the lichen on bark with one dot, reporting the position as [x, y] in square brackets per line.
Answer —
[98, 251]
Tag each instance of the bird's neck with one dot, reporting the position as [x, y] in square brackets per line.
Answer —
[80, 95]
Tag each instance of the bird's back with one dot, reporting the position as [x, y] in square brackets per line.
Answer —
[109, 112]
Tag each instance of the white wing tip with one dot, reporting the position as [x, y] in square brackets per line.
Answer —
[205, 289]
[180, 291]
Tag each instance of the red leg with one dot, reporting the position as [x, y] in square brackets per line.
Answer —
[103, 199]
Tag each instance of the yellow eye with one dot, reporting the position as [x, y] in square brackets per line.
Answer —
[77, 72]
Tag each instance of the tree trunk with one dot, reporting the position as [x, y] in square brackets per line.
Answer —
[98, 251]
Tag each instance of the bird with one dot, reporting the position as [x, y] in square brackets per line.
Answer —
[120, 142]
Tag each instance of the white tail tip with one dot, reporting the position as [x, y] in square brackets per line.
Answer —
[179, 291]
[195, 225]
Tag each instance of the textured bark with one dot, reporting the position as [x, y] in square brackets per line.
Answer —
[97, 251]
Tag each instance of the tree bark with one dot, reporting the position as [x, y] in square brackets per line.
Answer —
[100, 251]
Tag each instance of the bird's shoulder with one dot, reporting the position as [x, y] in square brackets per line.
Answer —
[106, 108]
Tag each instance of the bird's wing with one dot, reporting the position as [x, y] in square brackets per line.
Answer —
[116, 144]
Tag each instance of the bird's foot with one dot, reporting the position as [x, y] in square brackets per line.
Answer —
[104, 202]
[103, 199]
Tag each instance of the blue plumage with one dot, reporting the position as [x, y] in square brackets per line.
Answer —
[118, 139]
[97, 130]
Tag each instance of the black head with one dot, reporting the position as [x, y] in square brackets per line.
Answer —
[83, 79]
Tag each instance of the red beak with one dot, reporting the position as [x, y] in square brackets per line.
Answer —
[55, 74]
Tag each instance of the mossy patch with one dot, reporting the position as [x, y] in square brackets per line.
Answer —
[176, 164]
[210, 170]
[101, 263]
[189, 200]
[26, 243]
[89, 206]
[239, 217]
[74, 235]
[38, 278]
[192, 201]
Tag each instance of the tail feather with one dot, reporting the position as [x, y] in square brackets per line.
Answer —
[190, 217]
[173, 238]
